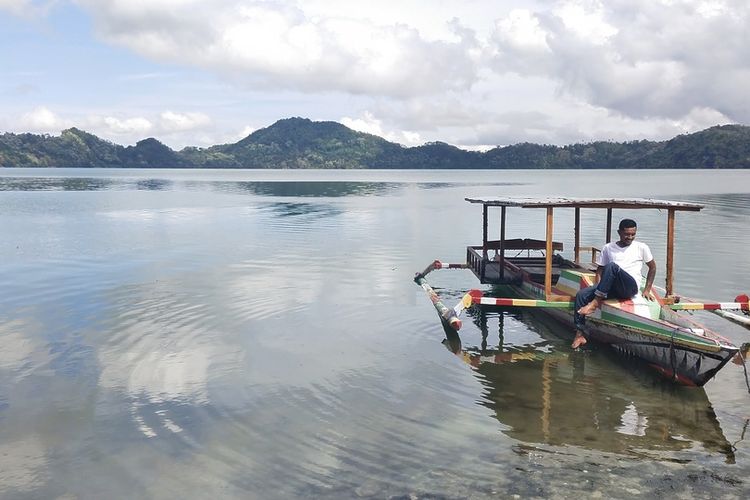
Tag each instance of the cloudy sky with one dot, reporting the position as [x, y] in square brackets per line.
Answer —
[474, 73]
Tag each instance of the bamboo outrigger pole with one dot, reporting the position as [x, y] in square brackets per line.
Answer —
[446, 314]
[477, 298]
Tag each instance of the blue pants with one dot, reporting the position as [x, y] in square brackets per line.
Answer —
[615, 283]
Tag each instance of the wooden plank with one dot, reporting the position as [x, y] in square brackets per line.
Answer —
[560, 298]
[539, 270]
[670, 251]
[522, 244]
[630, 203]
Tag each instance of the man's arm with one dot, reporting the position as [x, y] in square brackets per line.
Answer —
[649, 279]
[601, 262]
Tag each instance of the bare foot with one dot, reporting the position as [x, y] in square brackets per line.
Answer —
[579, 340]
[590, 307]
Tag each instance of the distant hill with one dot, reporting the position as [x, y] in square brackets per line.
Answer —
[302, 143]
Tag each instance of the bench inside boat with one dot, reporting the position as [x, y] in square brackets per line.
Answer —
[524, 253]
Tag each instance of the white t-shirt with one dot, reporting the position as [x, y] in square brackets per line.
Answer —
[630, 258]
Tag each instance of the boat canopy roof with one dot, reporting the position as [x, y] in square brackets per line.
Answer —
[629, 203]
[577, 203]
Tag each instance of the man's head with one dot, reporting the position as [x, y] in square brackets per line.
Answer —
[627, 230]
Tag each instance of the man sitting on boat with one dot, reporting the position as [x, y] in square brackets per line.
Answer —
[618, 275]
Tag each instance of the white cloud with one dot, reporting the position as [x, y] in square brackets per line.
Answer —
[41, 120]
[170, 121]
[14, 5]
[586, 19]
[470, 73]
[521, 29]
[698, 119]
[178, 128]
[283, 45]
[638, 58]
[641, 58]
[26, 8]
[246, 130]
[127, 126]
[712, 8]
[371, 125]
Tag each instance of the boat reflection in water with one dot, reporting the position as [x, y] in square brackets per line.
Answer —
[547, 394]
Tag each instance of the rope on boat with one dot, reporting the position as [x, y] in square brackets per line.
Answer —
[673, 355]
[744, 348]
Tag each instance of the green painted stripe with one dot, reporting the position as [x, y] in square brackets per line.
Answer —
[553, 305]
[663, 333]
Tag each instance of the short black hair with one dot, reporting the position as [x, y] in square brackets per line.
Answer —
[626, 223]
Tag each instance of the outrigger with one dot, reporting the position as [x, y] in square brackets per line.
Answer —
[537, 275]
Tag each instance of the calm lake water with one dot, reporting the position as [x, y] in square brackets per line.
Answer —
[257, 334]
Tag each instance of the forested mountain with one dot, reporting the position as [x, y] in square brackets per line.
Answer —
[302, 143]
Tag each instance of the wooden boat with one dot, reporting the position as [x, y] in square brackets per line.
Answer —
[537, 275]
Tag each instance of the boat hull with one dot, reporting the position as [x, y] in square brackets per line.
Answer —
[677, 352]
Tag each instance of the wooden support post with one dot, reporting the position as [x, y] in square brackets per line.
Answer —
[609, 225]
[548, 258]
[483, 264]
[670, 251]
[484, 232]
[502, 242]
[577, 245]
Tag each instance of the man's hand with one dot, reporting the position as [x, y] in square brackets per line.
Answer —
[647, 292]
